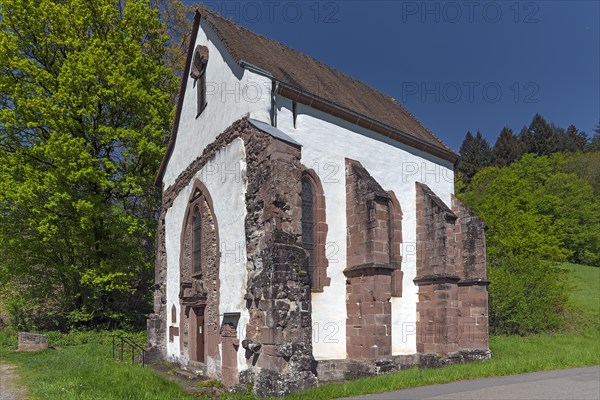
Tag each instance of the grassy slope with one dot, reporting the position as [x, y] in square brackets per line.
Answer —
[87, 371]
[587, 292]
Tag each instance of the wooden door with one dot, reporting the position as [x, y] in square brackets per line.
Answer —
[198, 332]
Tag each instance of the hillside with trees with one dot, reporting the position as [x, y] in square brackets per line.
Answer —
[538, 194]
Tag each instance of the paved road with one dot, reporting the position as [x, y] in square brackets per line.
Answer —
[576, 384]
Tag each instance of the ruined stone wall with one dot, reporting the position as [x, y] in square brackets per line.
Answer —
[437, 310]
[452, 308]
[278, 337]
[277, 342]
[473, 318]
[373, 264]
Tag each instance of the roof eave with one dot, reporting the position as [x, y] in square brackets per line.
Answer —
[301, 96]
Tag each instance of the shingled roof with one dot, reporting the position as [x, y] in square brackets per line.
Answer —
[303, 72]
[339, 94]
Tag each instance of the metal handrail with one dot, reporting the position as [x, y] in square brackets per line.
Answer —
[124, 340]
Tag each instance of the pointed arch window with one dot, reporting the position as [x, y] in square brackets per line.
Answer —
[308, 225]
[314, 230]
[197, 241]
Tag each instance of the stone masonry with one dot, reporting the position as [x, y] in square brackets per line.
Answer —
[32, 342]
[452, 309]
[278, 339]
[372, 265]
[472, 288]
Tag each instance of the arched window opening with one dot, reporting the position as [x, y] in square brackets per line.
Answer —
[201, 91]
[308, 227]
[197, 241]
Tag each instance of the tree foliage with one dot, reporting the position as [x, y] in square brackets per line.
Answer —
[475, 155]
[594, 144]
[177, 25]
[84, 109]
[537, 210]
[527, 296]
[507, 148]
[538, 207]
[540, 137]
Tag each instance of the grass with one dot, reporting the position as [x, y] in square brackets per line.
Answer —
[511, 354]
[586, 295]
[84, 368]
[87, 372]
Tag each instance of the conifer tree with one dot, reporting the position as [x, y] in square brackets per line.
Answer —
[475, 154]
[594, 144]
[540, 137]
[573, 140]
[506, 149]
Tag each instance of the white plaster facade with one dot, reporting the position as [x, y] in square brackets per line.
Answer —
[227, 190]
[326, 142]
[234, 92]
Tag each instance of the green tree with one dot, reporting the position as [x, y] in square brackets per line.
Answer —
[177, 26]
[475, 154]
[594, 144]
[506, 149]
[575, 211]
[84, 109]
[573, 140]
[506, 201]
[527, 296]
[585, 165]
[537, 211]
[539, 138]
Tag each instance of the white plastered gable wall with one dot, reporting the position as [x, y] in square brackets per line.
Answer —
[326, 142]
[232, 93]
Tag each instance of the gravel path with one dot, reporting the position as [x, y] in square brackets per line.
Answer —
[9, 390]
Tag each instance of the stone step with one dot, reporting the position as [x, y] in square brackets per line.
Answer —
[197, 368]
[185, 374]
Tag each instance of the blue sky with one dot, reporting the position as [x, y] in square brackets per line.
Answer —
[456, 65]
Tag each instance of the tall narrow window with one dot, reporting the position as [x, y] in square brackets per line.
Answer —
[197, 241]
[308, 227]
[314, 230]
[198, 73]
[201, 90]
